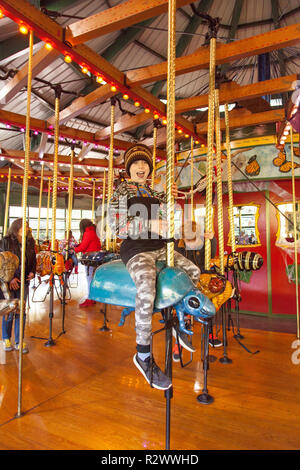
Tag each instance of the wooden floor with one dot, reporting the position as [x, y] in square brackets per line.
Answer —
[85, 393]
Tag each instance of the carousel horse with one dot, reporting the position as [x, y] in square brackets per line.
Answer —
[51, 264]
[8, 265]
[113, 285]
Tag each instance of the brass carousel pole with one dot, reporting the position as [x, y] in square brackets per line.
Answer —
[93, 201]
[219, 184]
[170, 197]
[295, 232]
[192, 180]
[225, 359]
[229, 181]
[58, 90]
[40, 204]
[110, 181]
[103, 206]
[24, 224]
[210, 151]
[48, 206]
[154, 153]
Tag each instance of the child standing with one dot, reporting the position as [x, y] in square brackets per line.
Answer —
[139, 212]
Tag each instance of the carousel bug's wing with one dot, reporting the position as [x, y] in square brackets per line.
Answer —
[113, 285]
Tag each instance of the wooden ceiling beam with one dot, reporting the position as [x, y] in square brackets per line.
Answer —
[121, 16]
[48, 158]
[83, 103]
[230, 92]
[71, 133]
[40, 61]
[124, 124]
[247, 119]
[248, 47]
[49, 31]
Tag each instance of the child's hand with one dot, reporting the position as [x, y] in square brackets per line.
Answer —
[209, 235]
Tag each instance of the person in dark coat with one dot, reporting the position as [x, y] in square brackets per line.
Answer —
[13, 242]
[89, 242]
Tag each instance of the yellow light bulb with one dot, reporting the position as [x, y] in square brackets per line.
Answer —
[23, 29]
[48, 46]
[68, 59]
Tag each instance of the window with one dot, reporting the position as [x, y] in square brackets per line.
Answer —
[285, 232]
[245, 225]
[16, 212]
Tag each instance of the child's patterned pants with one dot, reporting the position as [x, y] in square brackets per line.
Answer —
[142, 269]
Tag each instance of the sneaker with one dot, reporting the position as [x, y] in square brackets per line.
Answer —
[86, 303]
[176, 353]
[7, 345]
[25, 348]
[184, 340]
[159, 379]
[214, 342]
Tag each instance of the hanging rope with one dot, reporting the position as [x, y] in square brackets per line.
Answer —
[70, 197]
[154, 154]
[229, 181]
[295, 230]
[219, 183]
[110, 182]
[192, 180]
[103, 206]
[24, 224]
[171, 127]
[210, 151]
[7, 203]
[55, 171]
[48, 206]
[93, 201]
[40, 203]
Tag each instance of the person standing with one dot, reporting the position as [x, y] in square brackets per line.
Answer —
[13, 242]
[89, 242]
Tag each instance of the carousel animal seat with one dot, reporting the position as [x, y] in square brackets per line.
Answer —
[9, 262]
[96, 258]
[112, 284]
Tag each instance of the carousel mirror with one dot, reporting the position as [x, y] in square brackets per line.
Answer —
[245, 225]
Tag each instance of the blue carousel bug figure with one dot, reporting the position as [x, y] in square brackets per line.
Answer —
[113, 285]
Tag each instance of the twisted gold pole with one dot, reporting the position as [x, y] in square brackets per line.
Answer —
[55, 174]
[48, 206]
[103, 206]
[219, 183]
[70, 196]
[229, 181]
[171, 127]
[210, 151]
[110, 182]
[154, 155]
[295, 231]
[24, 224]
[7, 203]
[40, 203]
[192, 180]
[93, 201]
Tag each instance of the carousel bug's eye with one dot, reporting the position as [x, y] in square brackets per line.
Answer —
[194, 302]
